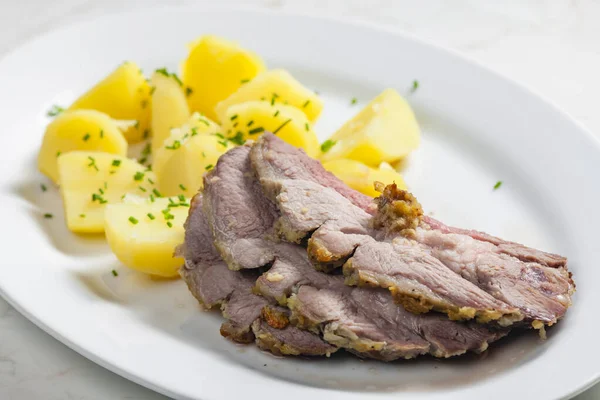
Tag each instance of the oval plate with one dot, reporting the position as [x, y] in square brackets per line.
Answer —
[478, 128]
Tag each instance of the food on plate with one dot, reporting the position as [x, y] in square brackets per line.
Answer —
[79, 130]
[191, 150]
[214, 69]
[361, 177]
[124, 94]
[144, 232]
[169, 106]
[292, 294]
[276, 86]
[385, 130]
[251, 119]
[91, 180]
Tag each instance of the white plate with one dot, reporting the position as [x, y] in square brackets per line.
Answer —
[478, 128]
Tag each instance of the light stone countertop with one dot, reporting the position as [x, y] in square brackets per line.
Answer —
[552, 46]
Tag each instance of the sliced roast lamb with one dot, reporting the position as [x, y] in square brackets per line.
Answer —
[213, 284]
[398, 248]
[364, 321]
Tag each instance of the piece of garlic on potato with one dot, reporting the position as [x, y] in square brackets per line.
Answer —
[91, 180]
[86, 130]
[385, 130]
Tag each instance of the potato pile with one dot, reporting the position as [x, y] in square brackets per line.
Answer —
[225, 96]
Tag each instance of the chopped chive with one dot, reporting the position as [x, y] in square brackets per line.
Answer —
[58, 153]
[244, 81]
[204, 154]
[48, 215]
[205, 122]
[86, 137]
[235, 125]
[188, 91]
[184, 204]
[101, 191]
[328, 144]
[208, 167]
[163, 71]
[306, 126]
[115, 273]
[172, 205]
[353, 101]
[219, 135]
[222, 143]
[133, 220]
[137, 124]
[150, 181]
[143, 160]
[306, 103]
[138, 176]
[151, 216]
[156, 192]
[152, 90]
[55, 110]
[256, 130]
[497, 185]
[44, 188]
[143, 189]
[92, 163]
[281, 126]
[233, 117]
[146, 133]
[181, 197]
[276, 113]
[81, 215]
[415, 86]
[238, 139]
[176, 144]
[273, 100]
[182, 187]
[147, 150]
[152, 198]
[194, 131]
[116, 163]
[169, 224]
[249, 124]
[171, 201]
[101, 133]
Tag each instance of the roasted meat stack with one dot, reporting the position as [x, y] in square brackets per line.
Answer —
[303, 265]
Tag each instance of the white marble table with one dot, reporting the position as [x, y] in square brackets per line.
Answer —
[551, 46]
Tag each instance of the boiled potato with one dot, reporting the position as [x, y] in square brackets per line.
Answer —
[250, 119]
[169, 106]
[187, 154]
[123, 94]
[277, 86]
[79, 130]
[361, 177]
[385, 130]
[91, 180]
[214, 69]
[143, 235]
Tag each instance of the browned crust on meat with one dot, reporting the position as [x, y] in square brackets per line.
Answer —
[232, 332]
[266, 341]
[417, 304]
[321, 258]
[274, 317]
[398, 211]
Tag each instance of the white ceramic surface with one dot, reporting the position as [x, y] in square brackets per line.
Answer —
[478, 128]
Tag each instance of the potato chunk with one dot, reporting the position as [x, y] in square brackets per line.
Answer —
[143, 235]
[250, 119]
[187, 154]
[214, 69]
[91, 180]
[361, 177]
[169, 106]
[123, 94]
[385, 130]
[79, 130]
[279, 86]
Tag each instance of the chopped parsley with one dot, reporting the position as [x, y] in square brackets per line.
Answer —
[48, 215]
[133, 220]
[415, 86]
[328, 144]
[86, 137]
[115, 273]
[44, 188]
[497, 185]
[55, 110]
[280, 127]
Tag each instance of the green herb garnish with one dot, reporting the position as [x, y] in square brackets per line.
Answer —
[156, 192]
[55, 110]
[233, 117]
[151, 216]
[176, 144]
[328, 144]
[182, 187]
[143, 189]
[415, 86]
[188, 91]
[209, 167]
[138, 176]
[86, 137]
[244, 81]
[44, 188]
[115, 273]
[133, 220]
[48, 216]
[116, 163]
[92, 163]
[276, 113]
[101, 133]
[281, 126]
[497, 185]
[306, 126]
[169, 224]
[81, 215]
[353, 101]
[256, 130]
[306, 103]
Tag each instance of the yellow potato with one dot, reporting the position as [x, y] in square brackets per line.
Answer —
[91, 180]
[79, 130]
[361, 177]
[214, 69]
[187, 154]
[123, 94]
[276, 85]
[169, 106]
[385, 130]
[143, 235]
[250, 119]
